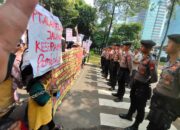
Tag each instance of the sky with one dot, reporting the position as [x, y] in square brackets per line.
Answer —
[90, 2]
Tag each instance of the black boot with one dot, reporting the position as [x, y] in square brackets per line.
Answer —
[125, 116]
[115, 94]
[118, 100]
[132, 128]
[112, 88]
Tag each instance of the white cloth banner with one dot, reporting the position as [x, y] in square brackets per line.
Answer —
[45, 34]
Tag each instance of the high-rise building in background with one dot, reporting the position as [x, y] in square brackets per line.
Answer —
[138, 18]
[155, 20]
[175, 22]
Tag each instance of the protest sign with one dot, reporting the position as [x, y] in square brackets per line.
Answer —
[69, 35]
[45, 33]
[87, 45]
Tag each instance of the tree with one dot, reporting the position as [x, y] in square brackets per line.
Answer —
[127, 32]
[113, 8]
[73, 13]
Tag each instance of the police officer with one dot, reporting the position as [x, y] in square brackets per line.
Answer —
[111, 57]
[107, 62]
[103, 59]
[124, 71]
[115, 68]
[165, 103]
[140, 89]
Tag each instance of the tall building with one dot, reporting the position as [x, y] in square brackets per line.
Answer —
[138, 18]
[175, 22]
[155, 20]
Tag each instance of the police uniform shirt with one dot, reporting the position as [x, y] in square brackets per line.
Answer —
[107, 55]
[103, 53]
[169, 83]
[137, 58]
[126, 60]
[111, 55]
[147, 70]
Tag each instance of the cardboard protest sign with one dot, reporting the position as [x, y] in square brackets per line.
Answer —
[45, 33]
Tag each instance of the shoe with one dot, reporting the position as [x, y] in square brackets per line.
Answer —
[115, 94]
[118, 100]
[131, 128]
[111, 89]
[108, 83]
[125, 116]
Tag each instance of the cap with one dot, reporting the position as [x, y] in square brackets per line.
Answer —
[127, 43]
[175, 38]
[148, 43]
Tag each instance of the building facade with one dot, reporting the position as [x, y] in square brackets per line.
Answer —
[155, 20]
[138, 18]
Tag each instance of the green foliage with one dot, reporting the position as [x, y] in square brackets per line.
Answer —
[1, 1]
[73, 13]
[123, 9]
[127, 32]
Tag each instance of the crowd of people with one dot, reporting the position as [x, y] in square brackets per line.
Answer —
[137, 70]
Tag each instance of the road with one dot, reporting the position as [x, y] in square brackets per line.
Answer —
[90, 106]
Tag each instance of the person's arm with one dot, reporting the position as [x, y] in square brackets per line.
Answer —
[153, 72]
[14, 16]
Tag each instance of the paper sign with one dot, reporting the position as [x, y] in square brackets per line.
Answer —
[87, 45]
[45, 33]
[69, 35]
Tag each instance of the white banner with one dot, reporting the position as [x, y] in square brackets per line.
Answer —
[45, 34]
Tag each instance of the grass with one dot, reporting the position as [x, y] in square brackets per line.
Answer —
[94, 58]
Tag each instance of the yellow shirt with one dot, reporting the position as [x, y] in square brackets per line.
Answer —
[39, 115]
[6, 96]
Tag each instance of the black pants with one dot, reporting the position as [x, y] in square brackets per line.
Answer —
[139, 97]
[123, 77]
[163, 111]
[111, 67]
[115, 67]
[102, 62]
[106, 68]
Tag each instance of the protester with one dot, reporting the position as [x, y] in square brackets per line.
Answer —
[165, 103]
[84, 57]
[11, 29]
[140, 89]
[124, 71]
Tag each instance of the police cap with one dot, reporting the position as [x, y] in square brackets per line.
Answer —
[175, 38]
[148, 43]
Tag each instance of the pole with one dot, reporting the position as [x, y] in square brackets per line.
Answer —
[168, 24]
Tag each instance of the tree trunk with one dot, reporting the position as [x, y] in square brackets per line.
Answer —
[105, 35]
[167, 28]
[110, 26]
